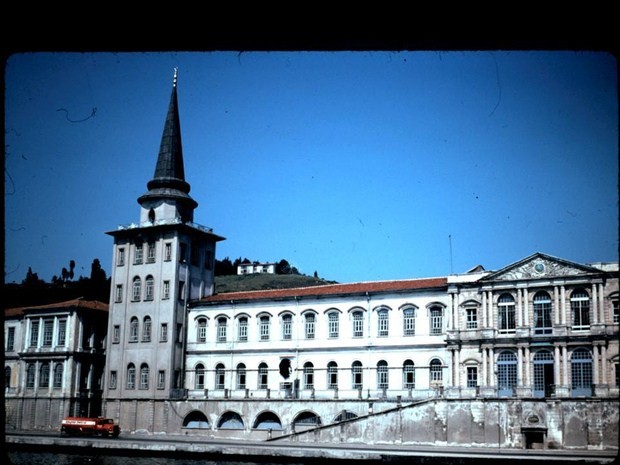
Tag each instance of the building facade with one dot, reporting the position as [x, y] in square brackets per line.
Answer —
[256, 268]
[504, 357]
[54, 359]
[525, 356]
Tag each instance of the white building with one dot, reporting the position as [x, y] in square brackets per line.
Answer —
[256, 268]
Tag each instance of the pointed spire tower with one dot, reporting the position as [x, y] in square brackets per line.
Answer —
[159, 266]
[168, 196]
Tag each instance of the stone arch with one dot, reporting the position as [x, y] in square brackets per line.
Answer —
[196, 419]
[267, 420]
[230, 420]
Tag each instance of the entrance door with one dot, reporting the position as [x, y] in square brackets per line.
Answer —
[543, 374]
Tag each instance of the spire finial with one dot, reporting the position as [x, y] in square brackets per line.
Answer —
[174, 79]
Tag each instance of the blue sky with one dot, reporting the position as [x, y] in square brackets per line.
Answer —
[358, 165]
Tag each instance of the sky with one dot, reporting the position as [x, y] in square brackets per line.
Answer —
[360, 166]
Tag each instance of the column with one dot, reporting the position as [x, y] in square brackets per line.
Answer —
[556, 305]
[457, 370]
[491, 366]
[563, 304]
[594, 304]
[484, 366]
[595, 371]
[565, 381]
[601, 306]
[528, 381]
[526, 310]
[519, 309]
[490, 308]
[603, 364]
[556, 365]
[457, 300]
[519, 366]
[484, 309]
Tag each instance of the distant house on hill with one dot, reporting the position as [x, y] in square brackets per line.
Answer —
[252, 268]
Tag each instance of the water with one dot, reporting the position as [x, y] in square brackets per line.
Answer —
[45, 458]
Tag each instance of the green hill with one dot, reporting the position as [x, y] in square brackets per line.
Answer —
[255, 282]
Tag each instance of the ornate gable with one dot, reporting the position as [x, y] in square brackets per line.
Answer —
[540, 266]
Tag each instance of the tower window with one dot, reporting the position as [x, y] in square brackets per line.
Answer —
[150, 252]
[167, 251]
[121, 257]
[138, 254]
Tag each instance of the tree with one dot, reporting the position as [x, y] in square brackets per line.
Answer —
[283, 267]
[32, 280]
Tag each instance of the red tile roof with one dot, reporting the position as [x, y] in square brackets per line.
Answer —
[75, 303]
[331, 289]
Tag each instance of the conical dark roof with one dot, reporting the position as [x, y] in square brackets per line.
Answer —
[169, 178]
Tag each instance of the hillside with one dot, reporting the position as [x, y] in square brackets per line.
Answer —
[254, 282]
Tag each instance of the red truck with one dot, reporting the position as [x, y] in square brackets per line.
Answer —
[99, 426]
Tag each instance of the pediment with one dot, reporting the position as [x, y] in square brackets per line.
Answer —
[540, 266]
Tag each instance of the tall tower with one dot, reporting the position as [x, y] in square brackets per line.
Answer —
[158, 266]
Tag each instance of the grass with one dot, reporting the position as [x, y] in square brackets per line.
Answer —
[254, 282]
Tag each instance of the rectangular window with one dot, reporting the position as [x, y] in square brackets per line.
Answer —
[150, 252]
[358, 324]
[309, 326]
[163, 332]
[264, 328]
[334, 326]
[436, 321]
[182, 253]
[10, 340]
[62, 332]
[48, 332]
[34, 334]
[136, 290]
[116, 334]
[208, 260]
[262, 377]
[472, 377]
[616, 311]
[383, 320]
[221, 331]
[167, 251]
[472, 318]
[121, 257]
[243, 329]
[118, 294]
[287, 327]
[113, 380]
[165, 292]
[161, 379]
[58, 371]
[44, 380]
[138, 254]
[194, 255]
[409, 322]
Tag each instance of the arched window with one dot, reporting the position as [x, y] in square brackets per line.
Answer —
[309, 326]
[44, 375]
[133, 329]
[241, 376]
[357, 377]
[263, 372]
[149, 284]
[131, 376]
[332, 375]
[230, 420]
[543, 373]
[409, 321]
[344, 415]
[408, 375]
[242, 329]
[201, 335]
[581, 372]
[196, 419]
[580, 306]
[308, 375]
[358, 324]
[382, 375]
[222, 323]
[436, 320]
[30, 375]
[307, 419]
[436, 372]
[287, 327]
[146, 329]
[144, 376]
[136, 289]
[333, 323]
[383, 322]
[58, 372]
[542, 313]
[506, 373]
[506, 313]
[199, 379]
[264, 323]
[220, 376]
[268, 421]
